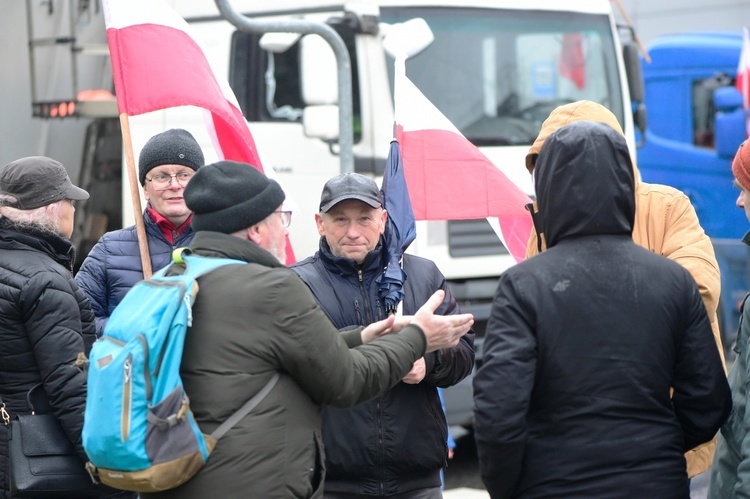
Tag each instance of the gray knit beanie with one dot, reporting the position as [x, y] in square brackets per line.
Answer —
[173, 147]
[228, 196]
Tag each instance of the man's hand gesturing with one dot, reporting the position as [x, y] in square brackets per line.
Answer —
[442, 331]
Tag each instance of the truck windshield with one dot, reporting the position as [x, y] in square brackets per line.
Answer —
[497, 74]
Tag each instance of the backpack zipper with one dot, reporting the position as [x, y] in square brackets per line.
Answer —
[126, 398]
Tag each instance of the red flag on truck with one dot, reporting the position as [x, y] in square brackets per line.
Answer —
[743, 75]
[572, 63]
[158, 64]
[449, 178]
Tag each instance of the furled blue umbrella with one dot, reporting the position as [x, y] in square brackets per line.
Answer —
[400, 229]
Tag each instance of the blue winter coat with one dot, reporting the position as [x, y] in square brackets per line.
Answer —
[397, 442]
[114, 265]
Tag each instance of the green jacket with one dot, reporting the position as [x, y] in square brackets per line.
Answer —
[730, 472]
[250, 321]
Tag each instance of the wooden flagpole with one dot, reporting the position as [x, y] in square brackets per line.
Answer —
[135, 195]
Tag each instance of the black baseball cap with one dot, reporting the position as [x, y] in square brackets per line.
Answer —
[37, 181]
[349, 186]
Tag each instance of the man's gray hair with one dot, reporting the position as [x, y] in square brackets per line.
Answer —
[40, 218]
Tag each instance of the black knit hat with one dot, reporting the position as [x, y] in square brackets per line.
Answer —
[228, 196]
[173, 147]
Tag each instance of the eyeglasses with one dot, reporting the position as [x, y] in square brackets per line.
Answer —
[162, 181]
[286, 218]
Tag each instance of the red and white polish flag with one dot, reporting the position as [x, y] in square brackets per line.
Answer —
[449, 178]
[157, 64]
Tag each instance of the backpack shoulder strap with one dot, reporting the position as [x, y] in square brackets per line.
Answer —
[246, 408]
[195, 265]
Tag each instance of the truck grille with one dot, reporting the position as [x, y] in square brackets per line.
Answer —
[468, 238]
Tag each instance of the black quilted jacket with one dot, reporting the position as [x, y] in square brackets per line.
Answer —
[45, 322]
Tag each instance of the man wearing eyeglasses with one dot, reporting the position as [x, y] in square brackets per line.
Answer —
[165, 166]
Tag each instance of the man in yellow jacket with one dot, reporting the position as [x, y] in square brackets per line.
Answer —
[665, 223]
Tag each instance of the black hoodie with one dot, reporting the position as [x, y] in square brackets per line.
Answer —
[586, 340]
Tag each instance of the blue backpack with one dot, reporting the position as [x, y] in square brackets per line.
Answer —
[139, 432]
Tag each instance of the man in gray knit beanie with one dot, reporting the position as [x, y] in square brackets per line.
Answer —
[166, 164]
[173, 147]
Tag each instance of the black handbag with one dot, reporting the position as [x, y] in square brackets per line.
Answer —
[42, 460]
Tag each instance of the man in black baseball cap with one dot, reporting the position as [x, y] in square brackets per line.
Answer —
[46, 322]
[352, 196]
[345, 275]
[37, 181]
[350, 186]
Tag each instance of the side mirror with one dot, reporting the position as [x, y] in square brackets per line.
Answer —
[634, 72]
[318, 71]
[635, 86]
[278, 42]
[321, 122]
[640, 119]
[729, 121]
[727, 99]
[319, 87]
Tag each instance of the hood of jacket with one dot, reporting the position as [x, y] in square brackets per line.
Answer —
[584, 110]
[584, 183]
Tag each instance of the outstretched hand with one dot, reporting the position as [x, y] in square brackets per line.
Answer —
[441, 331]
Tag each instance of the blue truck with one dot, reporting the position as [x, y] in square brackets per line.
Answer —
[695, 124]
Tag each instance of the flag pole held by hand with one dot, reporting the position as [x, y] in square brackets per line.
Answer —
[135, 195]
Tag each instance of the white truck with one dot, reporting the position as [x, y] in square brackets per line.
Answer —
[496, 69]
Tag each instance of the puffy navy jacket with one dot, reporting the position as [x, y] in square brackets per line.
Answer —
[397, 442]
[114, 265]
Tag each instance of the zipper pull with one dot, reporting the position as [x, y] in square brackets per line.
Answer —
[189, 310]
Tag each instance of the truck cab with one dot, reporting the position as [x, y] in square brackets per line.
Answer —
[696, 123]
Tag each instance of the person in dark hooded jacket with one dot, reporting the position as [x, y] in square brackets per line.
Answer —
[585, 340]
[665, 223]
